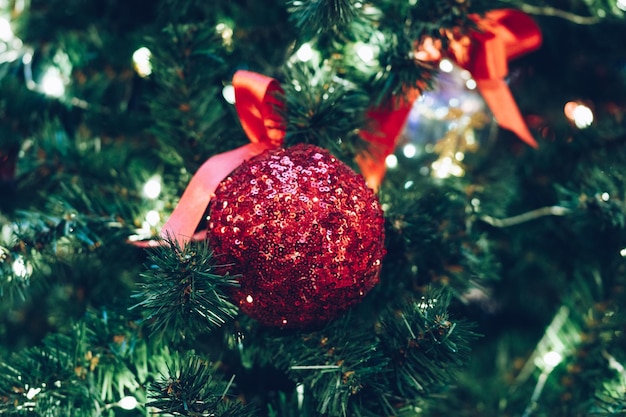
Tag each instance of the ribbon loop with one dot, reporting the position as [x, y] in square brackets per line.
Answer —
[257, 105]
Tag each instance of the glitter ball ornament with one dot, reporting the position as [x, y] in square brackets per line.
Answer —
[302, 231]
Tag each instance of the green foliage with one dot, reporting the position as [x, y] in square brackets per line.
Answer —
[192, 388]
[183, 290]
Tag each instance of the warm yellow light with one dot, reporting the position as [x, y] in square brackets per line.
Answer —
[141, 61]
[580, 114]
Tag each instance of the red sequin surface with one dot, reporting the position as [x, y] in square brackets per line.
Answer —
[304, 232]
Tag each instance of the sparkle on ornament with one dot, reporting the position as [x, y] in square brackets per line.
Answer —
[446, 167]
[141, 61]
[302, 232]
[446, 65]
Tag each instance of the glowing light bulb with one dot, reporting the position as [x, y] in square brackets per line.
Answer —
[305, 52]
[365, 52]
[141, 61]
[228, 92]
[391, 161]
[6, 33]
[446, 65]
[52, 83]
[152, 188]
[21, 269]
[32, 392]
[621, 4]
[409, 150]
[552, 359]
[623, 252]
[581, 115]
[128, 403]
[226, 32]
[471, 84]
[153, 217]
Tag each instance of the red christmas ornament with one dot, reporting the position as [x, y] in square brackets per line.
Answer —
[303, 231]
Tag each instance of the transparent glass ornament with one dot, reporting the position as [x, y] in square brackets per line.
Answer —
[445, 124]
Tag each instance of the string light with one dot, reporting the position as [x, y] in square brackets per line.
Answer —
[621, 4]
[409, 150]
[152, 188]
[228, 92]
[21, 269]
[391, 161]
[226, 32]
[305, 52]
[52, 83]
[128, 403]
[446, 65]
[365, 52]
[446, 167]
[141, 61]
[580, 114]
[153, 217]
[6, 33]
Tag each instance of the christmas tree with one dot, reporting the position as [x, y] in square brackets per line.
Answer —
[312, 208]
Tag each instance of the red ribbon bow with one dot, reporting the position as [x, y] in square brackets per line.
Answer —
[503, 35]
[257, 106]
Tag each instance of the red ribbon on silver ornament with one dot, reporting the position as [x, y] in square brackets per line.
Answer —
[502, 35]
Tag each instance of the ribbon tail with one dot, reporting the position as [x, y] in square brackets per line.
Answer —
[504, 108]
[196, 198]
[388, 124]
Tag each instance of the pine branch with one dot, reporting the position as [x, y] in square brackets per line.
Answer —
[192, 389]
[314, 17]
[427, 347]
[183, 290]
[323, 110]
